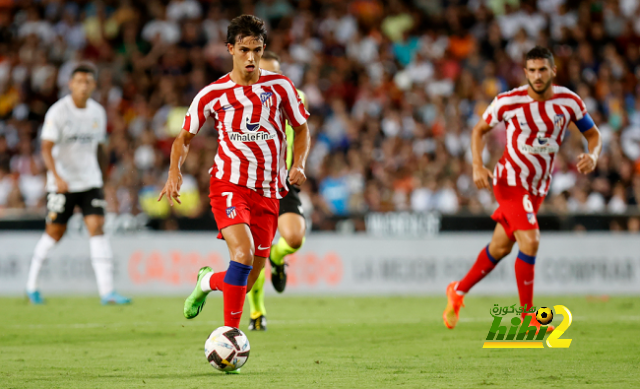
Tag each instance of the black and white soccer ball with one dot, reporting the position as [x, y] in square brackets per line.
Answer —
[544, 315]
[227, 349]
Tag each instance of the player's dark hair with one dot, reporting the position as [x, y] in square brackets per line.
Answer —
[540, 52]
[244, 26]
[270, 56]
[84, 68]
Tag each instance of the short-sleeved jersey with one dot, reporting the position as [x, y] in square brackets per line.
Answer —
[251, 122]
[291, 135]
[535, 130]
[76, 133]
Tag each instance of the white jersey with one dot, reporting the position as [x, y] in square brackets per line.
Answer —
[76, 133]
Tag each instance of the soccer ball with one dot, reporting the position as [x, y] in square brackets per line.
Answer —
[544, 315]
[227, 349]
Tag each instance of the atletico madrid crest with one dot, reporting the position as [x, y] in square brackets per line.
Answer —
[267, 99]
[231, 212]
[531, 217]
[558, 122]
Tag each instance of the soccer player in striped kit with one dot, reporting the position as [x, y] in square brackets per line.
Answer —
[250, 107]
[536, 117]
[291, 223]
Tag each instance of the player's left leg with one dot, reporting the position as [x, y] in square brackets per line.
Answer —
[93, 205]
[60, 207]
[528, 243]
[102, 261]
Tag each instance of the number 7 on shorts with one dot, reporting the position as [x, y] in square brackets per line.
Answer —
[231, 210]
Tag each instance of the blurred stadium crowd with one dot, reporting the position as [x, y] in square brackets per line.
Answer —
[394, 89]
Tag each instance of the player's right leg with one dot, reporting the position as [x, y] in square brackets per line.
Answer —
[52, 235]
[499, 247]
[232, 283]
[292, 229]
[60, 207]
[231, 207]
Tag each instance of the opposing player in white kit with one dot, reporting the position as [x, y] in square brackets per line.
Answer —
[73, 139]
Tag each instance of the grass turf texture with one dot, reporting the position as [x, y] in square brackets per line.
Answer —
[311, 342]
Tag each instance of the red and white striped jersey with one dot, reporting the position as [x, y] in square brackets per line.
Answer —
[251, 122]
[535, 130]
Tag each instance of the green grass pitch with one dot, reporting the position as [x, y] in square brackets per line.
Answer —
[331, 342]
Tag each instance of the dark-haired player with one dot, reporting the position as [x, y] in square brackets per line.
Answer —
[536, 117]
[250, 108]
[73, 137]
[291, 223]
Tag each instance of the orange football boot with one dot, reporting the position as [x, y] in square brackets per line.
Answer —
[537, 324]
[451, 313]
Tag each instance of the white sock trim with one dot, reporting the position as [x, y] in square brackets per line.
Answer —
[205, 284]
[458, 292]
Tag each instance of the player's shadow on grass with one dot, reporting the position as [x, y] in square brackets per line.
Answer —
[182, 375]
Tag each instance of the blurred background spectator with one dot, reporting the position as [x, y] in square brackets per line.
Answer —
[394, 89]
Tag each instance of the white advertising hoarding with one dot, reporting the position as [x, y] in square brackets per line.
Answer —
[167, 263]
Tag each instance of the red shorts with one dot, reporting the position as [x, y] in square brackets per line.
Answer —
[517, 209]
[233, 204]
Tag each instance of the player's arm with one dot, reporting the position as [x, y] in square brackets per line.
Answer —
[481, 174]
[47, 157]
[103, 161]
[193, 122]
[103, 158]
[301, 146]
[179, 151]
[297, 115]
[587, 162]
[50, 136]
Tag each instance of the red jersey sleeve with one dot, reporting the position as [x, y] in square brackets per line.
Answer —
[580, 110]
[292, 104]
[490, 115]
[199, 111]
